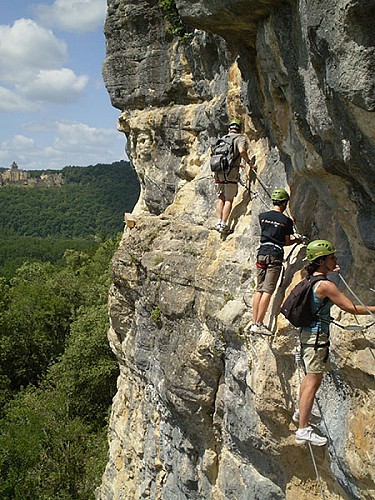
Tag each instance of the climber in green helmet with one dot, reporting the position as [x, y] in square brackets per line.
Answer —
[279, 195]
[235, 124]
[315, 337]
[276, 230]
[319, 248]
[227, 184]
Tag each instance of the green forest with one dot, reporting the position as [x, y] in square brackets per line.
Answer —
[57, 372]
[40, 223]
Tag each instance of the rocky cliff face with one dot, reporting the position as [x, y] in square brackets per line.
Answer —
[203, 411]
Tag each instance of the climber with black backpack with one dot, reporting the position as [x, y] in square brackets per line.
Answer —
[314, 336]
[225, 163]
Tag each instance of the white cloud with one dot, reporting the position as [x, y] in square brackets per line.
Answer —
[59, 86]
[73, 143]
[16, 148]
[10, 101]
[73, 15]
[35, 71]
[80, 137]
[30, 68]
[25, 46]
[18, 143]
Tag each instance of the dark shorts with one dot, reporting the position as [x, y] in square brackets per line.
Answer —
[268, 272]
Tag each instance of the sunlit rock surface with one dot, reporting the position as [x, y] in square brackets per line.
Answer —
[202, 411]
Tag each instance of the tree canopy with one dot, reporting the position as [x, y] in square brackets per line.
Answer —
[57, 376]
[41, 223]
[90, 203]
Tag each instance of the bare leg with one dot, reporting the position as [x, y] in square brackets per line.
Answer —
[256, 300]
[310, 384]
[226, 210]
[220, 207]
[262, 306]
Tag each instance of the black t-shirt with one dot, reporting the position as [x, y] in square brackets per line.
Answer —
[274, 227]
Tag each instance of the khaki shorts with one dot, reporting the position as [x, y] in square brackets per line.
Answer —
[228, 191]
[315, 361]
[268, 277]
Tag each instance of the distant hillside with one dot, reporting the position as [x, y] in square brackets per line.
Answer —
[90, 203]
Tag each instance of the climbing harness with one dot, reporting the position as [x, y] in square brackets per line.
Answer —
[276, 194]
[279, 247]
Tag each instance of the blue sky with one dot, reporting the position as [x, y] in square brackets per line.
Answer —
[54, 108]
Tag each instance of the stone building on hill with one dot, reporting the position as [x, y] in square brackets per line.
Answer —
[18, 177]
[14, 175]
[50, 180]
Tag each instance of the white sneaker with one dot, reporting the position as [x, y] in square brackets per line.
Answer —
[308, 435]
[224, 228]
[255, 327]
[313, 419]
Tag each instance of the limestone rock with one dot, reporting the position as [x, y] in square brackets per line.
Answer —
[202, 410]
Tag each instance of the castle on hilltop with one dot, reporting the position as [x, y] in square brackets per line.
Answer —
[14, 174]
[18, 177]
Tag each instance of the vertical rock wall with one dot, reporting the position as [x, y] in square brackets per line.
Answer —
[201, 411]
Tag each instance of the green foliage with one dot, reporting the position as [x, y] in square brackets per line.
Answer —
[87, 372]
[14, 250]
[158, 259]
[155, 316]
[57, 372]
[46, 454]
[34, 322]
[57, 376]
[90, 204]
[149, 238]
[175, 26]
[40, 224]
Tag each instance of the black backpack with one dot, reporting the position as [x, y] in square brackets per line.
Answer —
[297, 306]
[223, 154]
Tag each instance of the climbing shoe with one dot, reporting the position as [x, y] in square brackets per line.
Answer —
[307, 435]
[258, 328]
[255, 327]
[313, 419]
[219, 226]
[224, 229]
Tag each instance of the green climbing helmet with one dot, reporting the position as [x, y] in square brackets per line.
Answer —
[279, 195]
[235, 124]
[319, 248]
